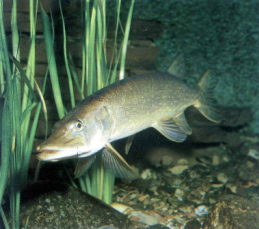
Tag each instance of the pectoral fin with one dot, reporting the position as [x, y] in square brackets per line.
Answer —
[180, 121]
[169, 129]
[114, 161]
[83, 165]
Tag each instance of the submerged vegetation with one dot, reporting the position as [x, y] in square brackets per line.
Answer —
[18, 97]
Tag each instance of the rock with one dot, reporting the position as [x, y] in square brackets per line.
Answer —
[193, 224]
[179, 194]
[221, 177]
[122, 208]
[253, 153]
[178, 169]
[201, 210]
[59, 205]
[233, 212]
[149, 219]
[148, 174]
[249, 171]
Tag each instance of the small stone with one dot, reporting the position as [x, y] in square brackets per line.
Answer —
[120, 207]
[133, 196]
[201, 210]
[186, 209]
[146, 202]
[233, 188]
[222, 178]
[193, 224]
[142, 197]
[215, 160]
[225, 159]
[250, 164]
[39, 207]
[147, 174]
[217, 185]
[254, 154]
[51, 209]
[183, 161]
[154, 200]
[178, 169]
[48, 201]
[167, 160]
[63, 215]
[143, 218]
[177, 182]
[194, 174]
[179, 194]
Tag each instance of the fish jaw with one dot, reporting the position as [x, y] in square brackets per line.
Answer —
[57, 155]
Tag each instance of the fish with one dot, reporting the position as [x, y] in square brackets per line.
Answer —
[123, 109]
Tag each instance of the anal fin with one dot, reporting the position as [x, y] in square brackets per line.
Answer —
[114, 161]
[170, 130]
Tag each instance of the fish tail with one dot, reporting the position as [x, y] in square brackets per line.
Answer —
[206, 104]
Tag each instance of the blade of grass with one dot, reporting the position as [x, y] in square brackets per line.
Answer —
[52, 64]
[125, 41]
[16, 156]
[7, 115]
[75, 77]
[70, 83]
[4, 218]
[114, 52]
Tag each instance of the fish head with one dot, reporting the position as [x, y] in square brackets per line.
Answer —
[79, 135]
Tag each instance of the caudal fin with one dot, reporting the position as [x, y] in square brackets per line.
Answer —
[206, 104]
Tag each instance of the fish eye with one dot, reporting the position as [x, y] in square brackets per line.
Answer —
[79, 125]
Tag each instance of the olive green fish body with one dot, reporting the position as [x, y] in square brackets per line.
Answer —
[123, 109]
[138, 102]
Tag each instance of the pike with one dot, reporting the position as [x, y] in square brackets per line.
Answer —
[123, 109]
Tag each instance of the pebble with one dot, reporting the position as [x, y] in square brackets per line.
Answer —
[167, 160]
[233, 188]
[143, 197]
[201, 210]
[215, 160]
[254, 154]
[183, 161]
[48, 201]
[147, 174]
[178, 169]
[120, 207]
[179, 194]
[250, 164]
[221, 177]
[143, 218]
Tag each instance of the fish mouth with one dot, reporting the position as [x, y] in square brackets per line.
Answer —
[57, 155]
[51, 151]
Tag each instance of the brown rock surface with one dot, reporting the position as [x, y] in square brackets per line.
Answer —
[234, 212]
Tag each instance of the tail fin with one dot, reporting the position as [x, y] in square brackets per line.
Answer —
[206, 104]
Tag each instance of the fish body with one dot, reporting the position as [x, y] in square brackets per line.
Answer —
[123, 109]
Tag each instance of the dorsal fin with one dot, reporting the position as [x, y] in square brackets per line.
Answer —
[177, 68]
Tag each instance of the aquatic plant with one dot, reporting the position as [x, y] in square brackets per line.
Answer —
[17, 97]
[95, 74]
[16, 131]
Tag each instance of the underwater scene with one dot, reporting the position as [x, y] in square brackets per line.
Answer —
[129, 114]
